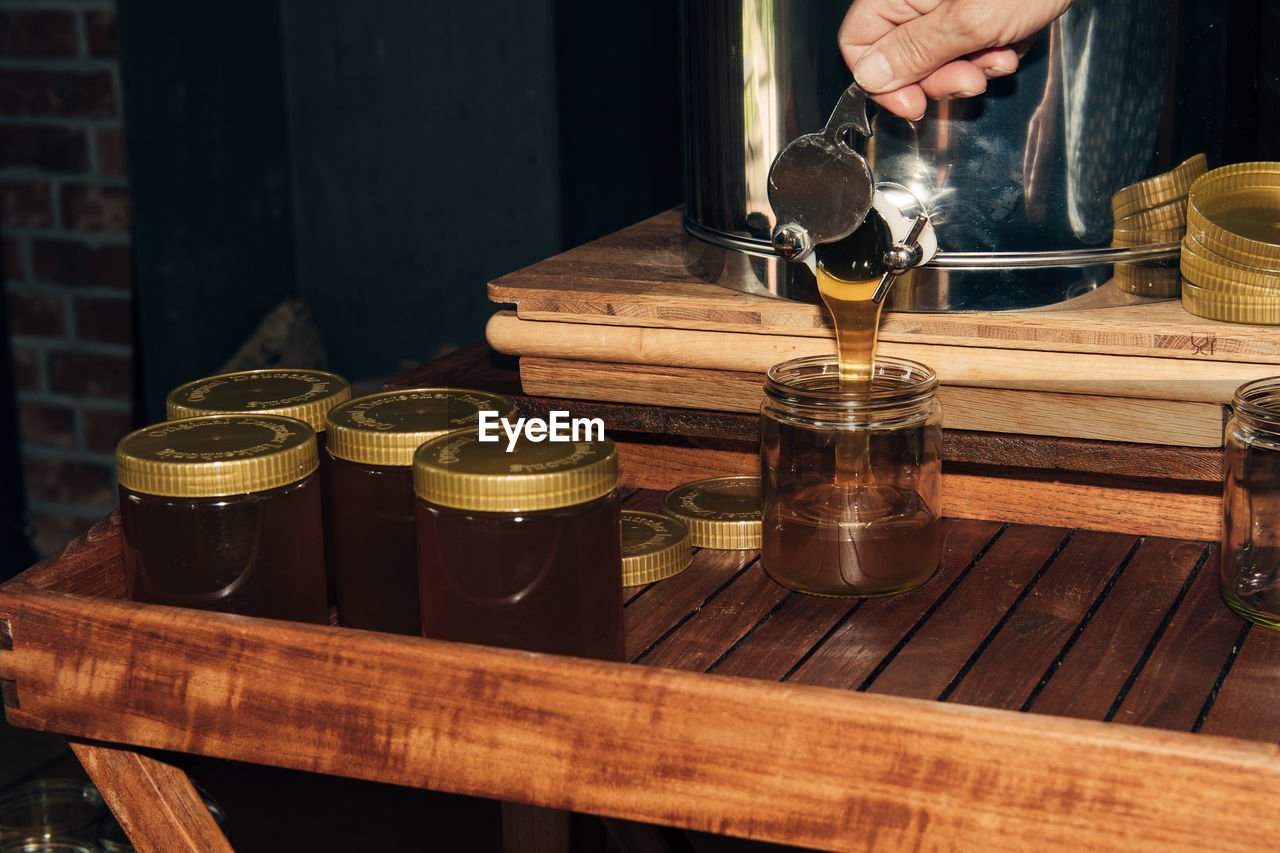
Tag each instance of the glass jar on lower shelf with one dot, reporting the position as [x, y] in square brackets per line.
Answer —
[851, 480]
[1250, 560]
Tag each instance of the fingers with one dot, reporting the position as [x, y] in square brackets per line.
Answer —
[884, 59]
[908, 102]
[963, 78]
[997, 61]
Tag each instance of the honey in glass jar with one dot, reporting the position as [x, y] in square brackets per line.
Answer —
[223, 513]
[307, 395]
[521, 548]
[371, 444]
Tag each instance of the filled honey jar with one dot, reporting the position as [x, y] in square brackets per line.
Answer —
[521, 548]
[851, 479]
[223, 513]
[371, 444]
[307, 395]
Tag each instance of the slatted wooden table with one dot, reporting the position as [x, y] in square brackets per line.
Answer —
[1049, 688]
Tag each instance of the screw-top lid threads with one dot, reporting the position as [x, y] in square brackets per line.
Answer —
[307, 395]
[386, 428]
[461, 471]
[720, 512]
[654, 547]
[217, 455]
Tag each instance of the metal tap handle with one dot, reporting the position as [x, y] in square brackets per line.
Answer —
[850, 113]
[901, 257]
[820, 188]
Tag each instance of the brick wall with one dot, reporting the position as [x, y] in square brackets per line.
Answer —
[64, 218]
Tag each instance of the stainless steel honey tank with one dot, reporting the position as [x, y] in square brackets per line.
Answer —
[1018, 181]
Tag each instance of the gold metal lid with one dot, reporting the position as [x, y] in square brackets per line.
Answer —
[216, 455]
[1191, 243]
[720, 512]
[1234, 211]
[386, 428]
[654, 547]
[1148, 278]
[1230, 307]
[1158, 190]
[1215, 273]
[1122, 238]
[307, 395]
[1159, 218]
[459, 470]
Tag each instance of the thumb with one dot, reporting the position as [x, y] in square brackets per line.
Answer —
[910, 52]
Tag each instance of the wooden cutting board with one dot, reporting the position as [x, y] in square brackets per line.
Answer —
[957, 364]
[654, 275]
[984, 409]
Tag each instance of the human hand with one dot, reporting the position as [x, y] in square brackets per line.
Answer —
[904, 51]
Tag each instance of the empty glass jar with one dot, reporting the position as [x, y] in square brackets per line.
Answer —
[851, 480]
[1250, 560]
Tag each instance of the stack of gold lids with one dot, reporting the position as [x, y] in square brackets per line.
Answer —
[1231, 250]
[1153, 212]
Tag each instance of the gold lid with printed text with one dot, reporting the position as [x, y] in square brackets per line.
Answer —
[720, 512]
[216, 455]
[307, 395]
[654, 547]
[462, 471]
[386, 428]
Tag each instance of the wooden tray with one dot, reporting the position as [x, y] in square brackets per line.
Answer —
[1048, 689]
[814, 740]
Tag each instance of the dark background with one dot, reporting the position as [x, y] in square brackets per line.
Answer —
[381, 161]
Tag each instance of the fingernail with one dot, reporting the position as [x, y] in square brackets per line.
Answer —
[873, 72]
[998, 71]
[966, 94]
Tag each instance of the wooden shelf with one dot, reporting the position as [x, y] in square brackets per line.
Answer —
[752, 711]
[1050, 688]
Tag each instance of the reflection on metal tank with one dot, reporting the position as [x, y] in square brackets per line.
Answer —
[1018, 181]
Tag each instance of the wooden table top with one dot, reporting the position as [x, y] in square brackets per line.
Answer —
[1098, 626]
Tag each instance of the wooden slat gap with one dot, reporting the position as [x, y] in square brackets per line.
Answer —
[1004, 617]
[763, 619]
[9, 694]
[1084, 623]
[6, 635]
[686, 617]
[933, 608]
[1222, 676]
[1157, 634]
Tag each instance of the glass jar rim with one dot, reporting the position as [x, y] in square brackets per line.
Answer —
[1259, 401]
[813, 379]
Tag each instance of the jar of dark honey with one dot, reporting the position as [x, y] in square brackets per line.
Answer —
[522, 547]
[851, 479]
[223, 513]
[371, 445]
[307, 395]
